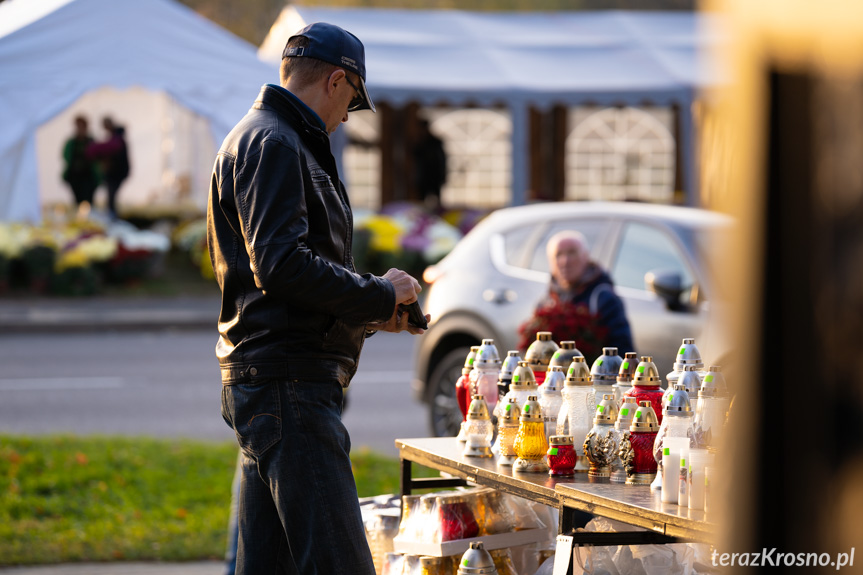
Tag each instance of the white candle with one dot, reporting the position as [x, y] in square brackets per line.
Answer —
[670, 462]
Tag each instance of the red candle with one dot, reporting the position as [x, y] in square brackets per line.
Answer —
[561, 456]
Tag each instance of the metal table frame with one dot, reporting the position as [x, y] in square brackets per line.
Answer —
[632, 504]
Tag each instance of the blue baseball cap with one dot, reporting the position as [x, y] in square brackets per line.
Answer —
[337, 46]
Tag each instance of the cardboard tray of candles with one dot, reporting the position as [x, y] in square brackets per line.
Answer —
[458, 546]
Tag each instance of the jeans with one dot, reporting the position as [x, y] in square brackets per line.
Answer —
[298, 508]
[233, 530]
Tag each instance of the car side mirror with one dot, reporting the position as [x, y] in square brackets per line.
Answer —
[668, 285]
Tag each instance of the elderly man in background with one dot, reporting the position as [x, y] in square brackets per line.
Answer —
[576, 279]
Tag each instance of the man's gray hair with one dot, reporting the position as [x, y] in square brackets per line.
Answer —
[554, 240]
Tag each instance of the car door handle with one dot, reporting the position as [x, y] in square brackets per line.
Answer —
[499, 296]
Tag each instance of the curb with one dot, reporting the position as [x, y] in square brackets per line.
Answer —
[100, 314]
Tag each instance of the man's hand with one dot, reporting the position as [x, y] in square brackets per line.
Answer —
[406, 286]
[407, 289]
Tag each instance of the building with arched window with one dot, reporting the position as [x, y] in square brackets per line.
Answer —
[530, 106]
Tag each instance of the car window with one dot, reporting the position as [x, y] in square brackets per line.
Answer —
[515, 242]
[590, 228]
[645, 248]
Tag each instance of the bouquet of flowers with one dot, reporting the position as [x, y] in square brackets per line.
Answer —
[567, 322]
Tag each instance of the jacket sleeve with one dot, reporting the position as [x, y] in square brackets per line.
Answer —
[612, 314]
[271, 200]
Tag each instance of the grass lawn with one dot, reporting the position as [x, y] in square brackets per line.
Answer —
[67, 498]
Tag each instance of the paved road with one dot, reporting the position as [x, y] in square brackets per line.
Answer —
[166, 383]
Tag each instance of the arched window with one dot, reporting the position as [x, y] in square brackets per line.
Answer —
[478, 146]
[620, 154]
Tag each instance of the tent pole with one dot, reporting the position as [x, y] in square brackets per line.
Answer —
[520, 154]
[688, 154]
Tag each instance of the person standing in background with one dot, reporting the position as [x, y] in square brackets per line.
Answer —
[429, 166]
[113, 155]
[80, 171]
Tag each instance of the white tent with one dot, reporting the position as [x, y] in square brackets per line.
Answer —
[53, 52]
[526, 59]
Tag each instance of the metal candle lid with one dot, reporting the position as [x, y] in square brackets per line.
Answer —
[678, 402]
[626, 413]
[563, 356]
[476, 561]
[714, 383]
[606, 411]
[531, 410]
[606, 367]
[478, 408]
[627, 368]
[578, 374]
[690, 380]
[487, 354]
[554, 380]
[522, 377]
[646, 373]
[471, 357]
[540, 352]
[510, 362]
[560, 440]
[511, 413]
[688, 354]
[645, 418]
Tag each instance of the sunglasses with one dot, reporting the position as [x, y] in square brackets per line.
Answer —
[357, 100]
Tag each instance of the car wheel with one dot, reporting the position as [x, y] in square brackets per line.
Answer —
[445, 416]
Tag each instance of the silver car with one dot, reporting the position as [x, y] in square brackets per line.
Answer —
[493, 279]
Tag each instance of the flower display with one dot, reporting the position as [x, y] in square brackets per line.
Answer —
[406, 236]
[401, 235]
[75, 256]
[566, 322]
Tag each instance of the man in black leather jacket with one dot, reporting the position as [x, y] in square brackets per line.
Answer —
[295, 312]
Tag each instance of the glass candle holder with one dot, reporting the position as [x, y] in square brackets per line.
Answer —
[507, 430]
[561, 456]
[530, 443]
[645, 386]
[625, 375]
[711, 411]
[551, 399]
[636, 449]
[677, 421]
[579, 403]
[539, 354]
[464, 390]
[479, 429]
[600, 445]
[504, 378]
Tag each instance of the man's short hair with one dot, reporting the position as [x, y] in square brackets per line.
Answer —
[565, 235]
[305, 70]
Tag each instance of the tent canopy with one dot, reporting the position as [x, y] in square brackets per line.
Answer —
[54, 51]
[523, 59]
[540, 58]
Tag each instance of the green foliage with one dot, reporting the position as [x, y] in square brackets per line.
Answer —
[66, 499]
